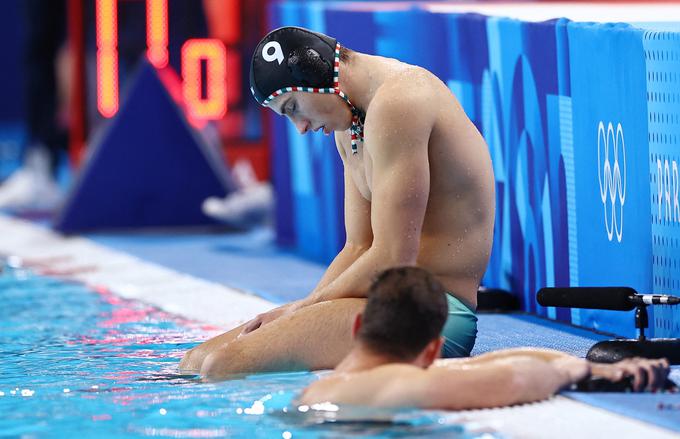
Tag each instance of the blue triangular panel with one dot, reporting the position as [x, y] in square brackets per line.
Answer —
[148, 169]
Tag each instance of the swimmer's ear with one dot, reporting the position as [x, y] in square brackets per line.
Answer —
[430, 353]
[435, 350]
[440, 344]
[356, 326]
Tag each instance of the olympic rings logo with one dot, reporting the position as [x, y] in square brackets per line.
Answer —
[612, 176]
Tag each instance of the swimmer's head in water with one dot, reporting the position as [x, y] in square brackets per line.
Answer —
[405, 312]
[293, 59]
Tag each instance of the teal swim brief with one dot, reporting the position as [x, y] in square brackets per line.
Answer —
[460, 329]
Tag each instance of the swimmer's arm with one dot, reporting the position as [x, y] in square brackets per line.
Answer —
[357, 228]
[495, 383]
[539, 353]
[597, 369]
[500, 382]
[400, 191]
[654, 370]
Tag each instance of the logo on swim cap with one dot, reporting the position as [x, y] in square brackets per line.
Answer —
[276, 56]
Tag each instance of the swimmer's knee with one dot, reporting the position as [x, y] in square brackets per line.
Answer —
[220, 364]
[193, 359]
[210, 364]
[189, 361]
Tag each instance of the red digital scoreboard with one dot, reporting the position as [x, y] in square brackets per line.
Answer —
[196, 53]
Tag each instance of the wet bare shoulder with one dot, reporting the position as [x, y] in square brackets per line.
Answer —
[410, 92]
[381, 386]
[402, 112]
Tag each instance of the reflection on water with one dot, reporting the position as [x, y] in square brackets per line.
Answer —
[88, 363]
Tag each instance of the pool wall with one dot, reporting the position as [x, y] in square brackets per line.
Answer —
[583, 125]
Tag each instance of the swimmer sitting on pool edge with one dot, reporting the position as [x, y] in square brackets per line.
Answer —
[392, 362]
[418, 187]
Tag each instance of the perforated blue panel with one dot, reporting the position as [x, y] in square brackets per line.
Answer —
[662, 55]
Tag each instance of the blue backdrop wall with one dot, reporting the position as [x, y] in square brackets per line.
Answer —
[583, 124]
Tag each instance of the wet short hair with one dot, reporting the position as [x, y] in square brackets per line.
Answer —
[345, 54]
[405, 310]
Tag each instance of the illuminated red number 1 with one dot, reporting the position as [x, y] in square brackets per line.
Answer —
[213, 52]
[107, 48]
[107, 57]
[157, 32]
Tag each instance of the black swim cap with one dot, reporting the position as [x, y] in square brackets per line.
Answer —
[292, 57]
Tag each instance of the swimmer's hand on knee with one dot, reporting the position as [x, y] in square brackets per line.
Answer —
[262, 319]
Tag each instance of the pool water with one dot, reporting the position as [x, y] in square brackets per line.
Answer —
[77, 361]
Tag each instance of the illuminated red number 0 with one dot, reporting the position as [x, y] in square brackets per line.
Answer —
[213, 52]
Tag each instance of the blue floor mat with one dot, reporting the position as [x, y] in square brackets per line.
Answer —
[501, 331]
[247, 261]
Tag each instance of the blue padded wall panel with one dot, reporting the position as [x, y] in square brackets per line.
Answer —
[353, 29]
[518, 104]
[413, 36]
[281, 175]
[610, 144]
[147, 169]
[468, 51]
